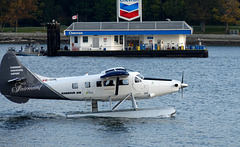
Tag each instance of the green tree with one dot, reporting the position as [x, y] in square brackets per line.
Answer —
[201, 11]
[228, 12]
[157, 10]
[47, 7]
[175, 9]
[3, 13]
[147, 10]
[84, 9]
[105, 10]
[20, 9]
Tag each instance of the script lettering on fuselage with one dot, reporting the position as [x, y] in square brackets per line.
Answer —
[20, 87]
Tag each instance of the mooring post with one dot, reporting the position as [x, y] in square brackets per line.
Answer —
[53, 38]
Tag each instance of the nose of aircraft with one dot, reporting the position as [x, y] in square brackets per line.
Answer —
[183, 85]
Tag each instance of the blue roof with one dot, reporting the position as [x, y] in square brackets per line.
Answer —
[128, 28]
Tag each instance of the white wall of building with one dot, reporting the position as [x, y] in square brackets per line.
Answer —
[108, 42]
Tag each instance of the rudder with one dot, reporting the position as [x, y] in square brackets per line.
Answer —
[18, 84]
[12, 75]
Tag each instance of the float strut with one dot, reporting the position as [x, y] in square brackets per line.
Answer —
[134, 103]
[110, 102]
[119, 103]
[94, 106]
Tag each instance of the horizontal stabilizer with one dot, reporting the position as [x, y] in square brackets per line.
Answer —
[18, 100]
[17, 80]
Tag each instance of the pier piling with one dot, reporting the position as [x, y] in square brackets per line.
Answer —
[53, 38]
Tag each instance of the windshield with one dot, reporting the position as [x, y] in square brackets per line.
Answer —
[140, 76]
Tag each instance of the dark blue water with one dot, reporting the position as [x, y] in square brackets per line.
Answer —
[208, 115]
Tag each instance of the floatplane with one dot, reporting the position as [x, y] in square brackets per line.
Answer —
[18, 84]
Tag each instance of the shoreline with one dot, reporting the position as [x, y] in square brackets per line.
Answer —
[206, 39]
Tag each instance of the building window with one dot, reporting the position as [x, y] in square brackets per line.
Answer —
[121, 39]
[75, 39]
[85, 39]
[87, 85]
[116, 40]
[74, 85]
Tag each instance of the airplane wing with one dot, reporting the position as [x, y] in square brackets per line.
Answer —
[121, 73]
[116, 74]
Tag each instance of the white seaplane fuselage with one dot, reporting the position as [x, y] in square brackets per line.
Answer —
[99, 89]
[19, 84]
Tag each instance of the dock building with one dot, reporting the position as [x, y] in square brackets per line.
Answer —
[119, 36]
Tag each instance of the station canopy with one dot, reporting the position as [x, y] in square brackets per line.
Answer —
[128, 28]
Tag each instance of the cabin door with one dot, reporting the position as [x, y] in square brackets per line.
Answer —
[95, 42]
[138, 84]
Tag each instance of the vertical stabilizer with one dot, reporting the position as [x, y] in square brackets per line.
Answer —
[18, 84]
[12, 77]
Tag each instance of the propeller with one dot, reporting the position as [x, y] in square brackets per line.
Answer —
[183, 85]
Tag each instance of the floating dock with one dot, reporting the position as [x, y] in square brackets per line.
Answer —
[125, 39]
[152, 53]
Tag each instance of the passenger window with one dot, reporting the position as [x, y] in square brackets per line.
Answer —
[137, 80]
[87, 85]
[74, 85]
[109, 83]
[123, 82]
[99, 83]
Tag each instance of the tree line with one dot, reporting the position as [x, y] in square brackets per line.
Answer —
[14, 13]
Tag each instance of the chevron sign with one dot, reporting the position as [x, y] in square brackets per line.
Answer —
[129, 9]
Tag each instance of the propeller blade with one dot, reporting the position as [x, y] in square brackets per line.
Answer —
[182, 76]
[182, 92]
[183, 85]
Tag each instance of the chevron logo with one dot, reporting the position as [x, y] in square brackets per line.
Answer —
[129, 9]
[129, 15]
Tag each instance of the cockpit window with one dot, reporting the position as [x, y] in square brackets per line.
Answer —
[137, 79]
[140, 76]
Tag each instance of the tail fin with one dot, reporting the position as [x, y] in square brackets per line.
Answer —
[18, 84]
[13, 76]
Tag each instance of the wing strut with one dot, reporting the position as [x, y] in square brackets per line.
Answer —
[134, 103]
[119, 103]
[117, 86]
